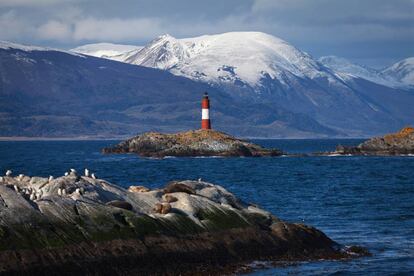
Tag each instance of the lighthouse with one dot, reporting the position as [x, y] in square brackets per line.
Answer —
[205, 112]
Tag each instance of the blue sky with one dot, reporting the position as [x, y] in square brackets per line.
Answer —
[371, 32]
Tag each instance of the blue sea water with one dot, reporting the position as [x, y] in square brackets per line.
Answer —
[367, 201]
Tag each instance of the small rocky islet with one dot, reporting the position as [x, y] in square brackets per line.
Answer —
[80, 224]
[202, 142]
[400, 143]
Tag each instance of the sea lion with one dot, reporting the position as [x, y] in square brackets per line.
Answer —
[176, 187]
[120, 204]
[169, 198]
[138, 189]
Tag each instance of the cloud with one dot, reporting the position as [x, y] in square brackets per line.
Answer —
[33, 3]
[12, 26]
[116, 29]
[54, 30]
[344, 28]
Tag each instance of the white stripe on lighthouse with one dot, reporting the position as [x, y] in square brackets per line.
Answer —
[205, 114]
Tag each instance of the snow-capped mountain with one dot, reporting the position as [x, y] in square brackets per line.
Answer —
[261, 68]
[349, 69]
[7, 45]
[402, 71]
[52, 93]
[260, 86]
[112, 51]
[236, 57]
[387, 77]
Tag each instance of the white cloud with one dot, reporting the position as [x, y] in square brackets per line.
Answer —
[13, 27]
[116, 29]
[54, 30]
[33, 3]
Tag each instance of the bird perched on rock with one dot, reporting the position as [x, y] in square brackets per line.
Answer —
[66, 173]
[93, 176]
[20, 177]
[199, 180]
[50, 178]
[9, 173]
[72, 170]
[86, 172]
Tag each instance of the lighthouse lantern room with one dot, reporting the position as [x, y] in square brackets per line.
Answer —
[205, 112]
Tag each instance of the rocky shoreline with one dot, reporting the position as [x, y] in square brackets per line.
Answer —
[400, 143]
[85, 225]
[190, 144]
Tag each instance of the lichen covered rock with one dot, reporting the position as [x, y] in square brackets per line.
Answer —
[400, 143]
[95, 227]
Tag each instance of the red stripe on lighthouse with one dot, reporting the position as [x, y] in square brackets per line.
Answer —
[205, 112]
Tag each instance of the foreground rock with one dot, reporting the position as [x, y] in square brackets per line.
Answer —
[190, 143]
[81, 225]
[400, 143]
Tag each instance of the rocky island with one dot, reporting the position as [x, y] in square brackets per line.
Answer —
[400, 143]
[203, 142]
[77, 224]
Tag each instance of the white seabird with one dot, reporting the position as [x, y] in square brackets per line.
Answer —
[86, 172]
[9, 173]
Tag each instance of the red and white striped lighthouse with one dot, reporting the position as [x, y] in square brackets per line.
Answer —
[205, 112]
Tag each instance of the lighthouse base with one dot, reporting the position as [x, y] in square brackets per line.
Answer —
[205, 124]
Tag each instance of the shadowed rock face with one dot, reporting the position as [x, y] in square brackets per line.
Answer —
[400, 143]
[190, 143]
[77, 224]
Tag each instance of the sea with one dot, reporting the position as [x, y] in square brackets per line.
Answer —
[355, 200]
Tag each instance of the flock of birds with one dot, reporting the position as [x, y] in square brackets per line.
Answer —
[34, 194]
[87, 173]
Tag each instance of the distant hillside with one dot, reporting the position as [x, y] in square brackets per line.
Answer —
[51, 93]
[261, 68]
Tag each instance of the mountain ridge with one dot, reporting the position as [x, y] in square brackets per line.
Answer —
[50, 93]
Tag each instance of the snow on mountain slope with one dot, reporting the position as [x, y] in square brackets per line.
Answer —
[6, 45]
[244, 57]
[402, 71]
[351, 70]
[106, 50]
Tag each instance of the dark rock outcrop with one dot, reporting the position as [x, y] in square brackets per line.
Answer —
[190, 143]
[400, 143]
[95, 227]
